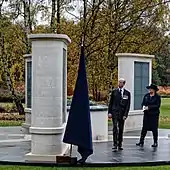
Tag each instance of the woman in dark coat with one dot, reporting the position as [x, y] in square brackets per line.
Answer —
[151, 107]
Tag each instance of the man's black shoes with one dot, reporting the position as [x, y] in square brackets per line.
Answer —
[120, 148]
[114, 148]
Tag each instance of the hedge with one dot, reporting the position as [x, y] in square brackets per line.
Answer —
[165, 96]
[8, 108]
[6, 97]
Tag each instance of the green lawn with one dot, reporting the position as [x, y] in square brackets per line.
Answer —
[4, 123]
[165, 107]
[55, 168]
[164, 117]
[165, 114]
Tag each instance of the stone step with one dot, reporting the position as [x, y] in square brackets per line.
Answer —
[11, 136]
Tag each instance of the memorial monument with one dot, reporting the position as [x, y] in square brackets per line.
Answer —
[46, 95]
[100, 133]
[135, 68]
[49, 96]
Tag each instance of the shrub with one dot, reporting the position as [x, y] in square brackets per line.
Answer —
[8, 108]
[2, 110]
[69, 99]
[99, 96]
[20, 87]
[165, 96]
[10, 116]
[164, 90]
[5, 96]
[69, 91]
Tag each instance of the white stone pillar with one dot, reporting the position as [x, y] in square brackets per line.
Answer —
[127, 69]
[49, 96]
[28, 76]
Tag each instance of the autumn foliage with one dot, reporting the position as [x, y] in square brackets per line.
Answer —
[108, 27]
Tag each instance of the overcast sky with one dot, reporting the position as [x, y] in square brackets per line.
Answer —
[72, 15]
[76, 4]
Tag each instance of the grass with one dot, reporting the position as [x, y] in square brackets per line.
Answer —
[164, 117]
[4, 123]
[165, 107]
[164, 121]
[72, 168]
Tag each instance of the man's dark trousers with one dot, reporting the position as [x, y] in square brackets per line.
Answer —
[118, 126]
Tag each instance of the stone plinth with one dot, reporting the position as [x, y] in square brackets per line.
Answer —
[27, 124]
[134, 121]
[49, 96]
[137, 70]
[99, 122]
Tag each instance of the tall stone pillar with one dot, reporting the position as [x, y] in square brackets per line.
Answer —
[28, 77]
[49, 96]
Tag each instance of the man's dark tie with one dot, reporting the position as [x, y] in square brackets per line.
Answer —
[120, 91]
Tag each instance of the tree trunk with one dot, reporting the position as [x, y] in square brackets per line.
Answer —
[109, 45]
[27, 24]
[96, 92]
[84, 21]
[58, 16]
[29, 17]
[53, 15]
[8, 79]
[1, 8]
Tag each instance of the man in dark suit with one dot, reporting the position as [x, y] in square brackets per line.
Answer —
[119, 106]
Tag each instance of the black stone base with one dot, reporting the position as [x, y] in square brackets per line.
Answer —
[13, 152]
[66, 160]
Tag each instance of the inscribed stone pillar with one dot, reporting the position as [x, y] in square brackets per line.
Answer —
[49, 96]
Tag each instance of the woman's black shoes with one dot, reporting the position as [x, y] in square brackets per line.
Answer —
[140, 144]
[155, 145]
